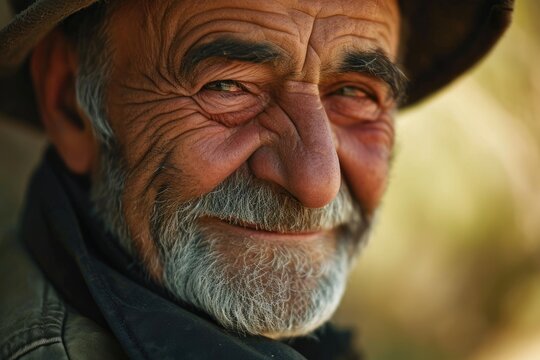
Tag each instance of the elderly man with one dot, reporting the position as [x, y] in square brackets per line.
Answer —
[214, 169]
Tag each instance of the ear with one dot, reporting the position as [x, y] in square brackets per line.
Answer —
[53, 66]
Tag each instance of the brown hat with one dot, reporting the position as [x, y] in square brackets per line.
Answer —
[441, 40]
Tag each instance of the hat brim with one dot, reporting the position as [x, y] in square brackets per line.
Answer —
[441, 41]
[444, 39]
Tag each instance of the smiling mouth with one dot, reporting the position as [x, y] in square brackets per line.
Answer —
[255, 229]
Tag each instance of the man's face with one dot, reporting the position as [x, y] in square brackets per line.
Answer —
[255, 137]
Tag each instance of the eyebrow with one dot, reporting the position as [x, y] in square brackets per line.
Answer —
[377, 65]
[230, 49]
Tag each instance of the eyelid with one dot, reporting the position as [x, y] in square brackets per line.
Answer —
[369, 93]
[379, 89]
[245, 73]
[225, 81]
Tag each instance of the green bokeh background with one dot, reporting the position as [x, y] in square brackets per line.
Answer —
[452, 270]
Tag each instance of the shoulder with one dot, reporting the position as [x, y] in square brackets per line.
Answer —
[36, 322]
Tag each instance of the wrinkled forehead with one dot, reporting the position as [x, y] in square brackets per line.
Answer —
[324, 27]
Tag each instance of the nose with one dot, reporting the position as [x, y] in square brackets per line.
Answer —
[301, 155]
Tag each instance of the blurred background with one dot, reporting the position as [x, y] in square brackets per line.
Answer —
[452, 270]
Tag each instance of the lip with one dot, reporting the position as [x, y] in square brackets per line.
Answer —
[250, 230]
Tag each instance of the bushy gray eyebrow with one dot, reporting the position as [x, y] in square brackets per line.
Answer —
[376, 64]
[230, 49]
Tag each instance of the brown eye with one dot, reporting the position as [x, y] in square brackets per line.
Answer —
[355, 92]
[228, 86]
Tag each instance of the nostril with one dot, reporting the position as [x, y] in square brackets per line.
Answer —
[315, 186]
[313, 179]
[265, 164]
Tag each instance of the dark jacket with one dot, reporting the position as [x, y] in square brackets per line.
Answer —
[68, 292]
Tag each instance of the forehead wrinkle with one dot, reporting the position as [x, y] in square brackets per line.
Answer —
[380, 18]
[182, 46]
[260, 21]
[154, 34]
[333, 25]
[210, 28]
[270, 18]
[164, 23]
[383, 23]
[380, 10]
[376, 32]
[260, 18]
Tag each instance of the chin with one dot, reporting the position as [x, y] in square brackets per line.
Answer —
[274, 285]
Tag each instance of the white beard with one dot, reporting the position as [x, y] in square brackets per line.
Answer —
[276, 289]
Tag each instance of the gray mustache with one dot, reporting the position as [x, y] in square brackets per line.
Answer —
[243, 199]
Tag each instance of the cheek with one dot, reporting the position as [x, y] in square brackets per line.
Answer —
[364, 159]
[177, 145]
[204, 157]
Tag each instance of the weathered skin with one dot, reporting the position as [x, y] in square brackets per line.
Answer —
[288, 122]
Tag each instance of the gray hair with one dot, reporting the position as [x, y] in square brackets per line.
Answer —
[87, 31]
